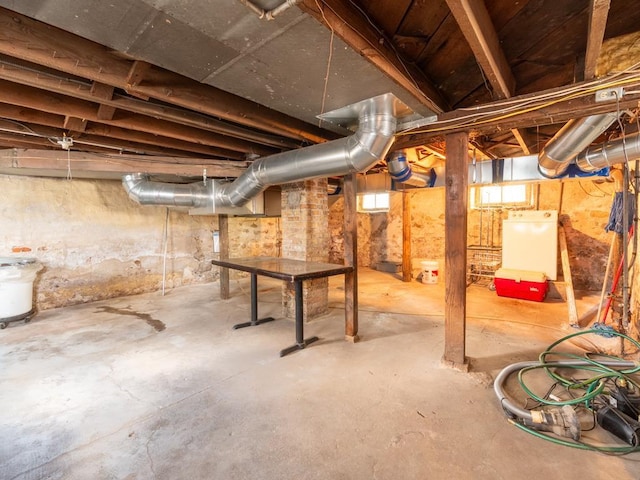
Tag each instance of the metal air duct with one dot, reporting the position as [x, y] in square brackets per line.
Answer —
[573, 138]
[610, 153]
[356, 153]
[400, 171]
[142, 190]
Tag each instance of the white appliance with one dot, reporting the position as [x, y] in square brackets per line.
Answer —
[530, 241]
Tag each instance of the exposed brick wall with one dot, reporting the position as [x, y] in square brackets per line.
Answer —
[305, 236]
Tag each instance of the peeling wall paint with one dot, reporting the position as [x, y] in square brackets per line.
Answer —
[95, 243]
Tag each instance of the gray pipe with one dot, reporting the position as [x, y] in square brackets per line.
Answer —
[610, 153]
[573, 138]
[140, 189]
[400, 171]
[356, 153]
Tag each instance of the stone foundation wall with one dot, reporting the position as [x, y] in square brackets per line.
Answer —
[584, 212]
[95, 243]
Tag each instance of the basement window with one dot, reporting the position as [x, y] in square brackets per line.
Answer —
[373, 202]
[515, 195]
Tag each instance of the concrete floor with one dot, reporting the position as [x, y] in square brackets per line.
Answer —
[105, 391]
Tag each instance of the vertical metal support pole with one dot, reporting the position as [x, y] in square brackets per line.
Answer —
[254, 299]
[299, 312]
[223, 227]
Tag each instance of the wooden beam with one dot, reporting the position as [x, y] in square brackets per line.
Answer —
[223, 232]
[30, 75]
[521, 141]
[456, 198]
[357, 31]
[537, 110]
[153, 144]
[99, 92]
[598, 13]
[477, 27]
[567, 278]
[58, 160]
[37, 99]
[474, 21]
[350, 258]
[137, 73]
[36, 42]
[75, 124]
[407, 267]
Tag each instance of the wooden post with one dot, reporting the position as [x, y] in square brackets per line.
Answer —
[406, 237]
[223, 226]
[568, 280]
[351, 258]
[455, 240]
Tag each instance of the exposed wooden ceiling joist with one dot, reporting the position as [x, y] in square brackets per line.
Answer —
[493, 119]
[29, 118]
[27, 39]
[357, 31]
[37, 99]
[37, 160]
[475, 23]
[476, 26]
[598, 13]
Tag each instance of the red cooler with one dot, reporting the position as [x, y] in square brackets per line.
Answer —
[523, 284]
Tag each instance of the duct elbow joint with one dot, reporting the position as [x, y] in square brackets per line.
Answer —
[133, 185]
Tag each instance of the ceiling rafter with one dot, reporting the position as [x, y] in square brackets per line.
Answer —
[357, 31]
[477, 28]
[30, 40]
[598, 13]
[55, 103]
[117, 165]
[29, 75]
[156, 143]
[558, 111]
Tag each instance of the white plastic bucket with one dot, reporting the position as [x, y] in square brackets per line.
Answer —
[429, 271]
[16, 285]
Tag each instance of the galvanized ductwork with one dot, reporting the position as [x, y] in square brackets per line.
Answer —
[573, 138]
[610, 153]
[400, 171]
[356, 153]
[140, 189]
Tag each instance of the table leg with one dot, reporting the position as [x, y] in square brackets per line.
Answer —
[254, 307]
[300, 340]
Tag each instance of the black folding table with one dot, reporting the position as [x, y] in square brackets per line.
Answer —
[292, 271]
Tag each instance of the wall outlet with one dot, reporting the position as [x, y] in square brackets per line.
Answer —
[608, 94]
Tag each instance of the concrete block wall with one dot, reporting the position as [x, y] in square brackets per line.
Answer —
[305, 236]
[95, 243]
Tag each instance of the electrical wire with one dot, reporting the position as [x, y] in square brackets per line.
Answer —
[479, 115]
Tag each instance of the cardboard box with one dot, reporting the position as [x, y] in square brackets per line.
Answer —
[523, 284]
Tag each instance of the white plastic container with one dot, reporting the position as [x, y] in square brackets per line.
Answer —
[16, 285]
[429, 271]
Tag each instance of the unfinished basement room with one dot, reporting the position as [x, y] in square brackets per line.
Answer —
[319, 239]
